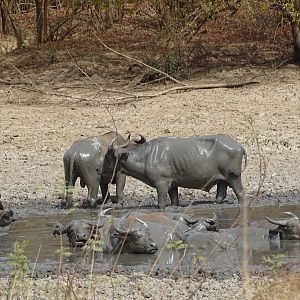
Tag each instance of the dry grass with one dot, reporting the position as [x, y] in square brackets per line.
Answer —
[280, 287]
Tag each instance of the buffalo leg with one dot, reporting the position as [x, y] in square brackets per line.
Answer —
[104, 192]
[173, 194]
[162, 191]
[221, 192]
[93, 187]
[70, 184]
[236, 184]
[120, 185]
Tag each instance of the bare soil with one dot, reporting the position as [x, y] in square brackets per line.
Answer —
[43, 110]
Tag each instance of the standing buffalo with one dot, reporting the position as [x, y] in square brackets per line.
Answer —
[288, 229]
[84, 157]
[197, 162]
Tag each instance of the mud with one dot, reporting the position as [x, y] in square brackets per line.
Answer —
[43, 250]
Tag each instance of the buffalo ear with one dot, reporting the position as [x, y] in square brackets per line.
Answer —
[125, 145]
[117, 151]
[111, 147]
[58, 229]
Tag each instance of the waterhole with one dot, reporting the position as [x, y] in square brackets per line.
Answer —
[44, 248]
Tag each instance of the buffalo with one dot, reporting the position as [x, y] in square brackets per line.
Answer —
[84, 157]
[167, 163]
[6, 216]
[288, 229]
[117, 235]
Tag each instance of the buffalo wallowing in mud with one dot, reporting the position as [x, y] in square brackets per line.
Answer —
[288, 229]
[6, 216]
[118, 235]
[136, 233]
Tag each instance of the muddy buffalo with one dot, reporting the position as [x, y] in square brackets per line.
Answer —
[84, 157]
[117, 235]
[288, 229]
[167, 163]
[6, 216]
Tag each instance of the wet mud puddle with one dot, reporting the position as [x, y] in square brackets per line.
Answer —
[44, 248]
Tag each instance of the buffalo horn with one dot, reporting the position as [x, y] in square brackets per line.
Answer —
[190, 222]
[142, 222]
[277, 222]
[103, 212]
[213, 220]
[291, 215]
[142, 140]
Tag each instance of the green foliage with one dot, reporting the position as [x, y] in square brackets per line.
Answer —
[200, 259]
[59, 189]
[19, 261]
[94, 245]
[62, 251]
[177, 245]
[275, 262]
[176, 63]
[71, 210]
[293, 9]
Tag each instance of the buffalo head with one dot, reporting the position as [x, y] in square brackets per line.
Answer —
[6, 216]
[118, 150]
[288, 229]
[134, 238]
[78, 231]
[210, 224]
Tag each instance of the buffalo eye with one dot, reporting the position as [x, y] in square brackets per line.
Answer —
[137, 235]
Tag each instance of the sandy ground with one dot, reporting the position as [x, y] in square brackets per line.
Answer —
[38, 124]
[37, 128]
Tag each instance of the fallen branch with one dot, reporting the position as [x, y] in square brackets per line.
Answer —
[184, 89]
[140, 97]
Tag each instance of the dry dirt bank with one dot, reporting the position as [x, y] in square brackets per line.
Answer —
[139, 286]
[37, 128]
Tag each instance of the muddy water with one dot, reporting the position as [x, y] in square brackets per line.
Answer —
[43, 246]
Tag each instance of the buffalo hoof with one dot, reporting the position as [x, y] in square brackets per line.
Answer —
[114, 199]
[63, 204]
[219, 200]
[86, 204]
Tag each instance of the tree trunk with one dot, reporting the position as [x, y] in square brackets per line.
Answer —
[17, 29]
[4, 18]
[39, 21]
[296, 33]
[45, 20]
[108, 14]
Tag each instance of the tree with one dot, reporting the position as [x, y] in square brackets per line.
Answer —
[39, 20]
[4, 17]
[290, 10]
